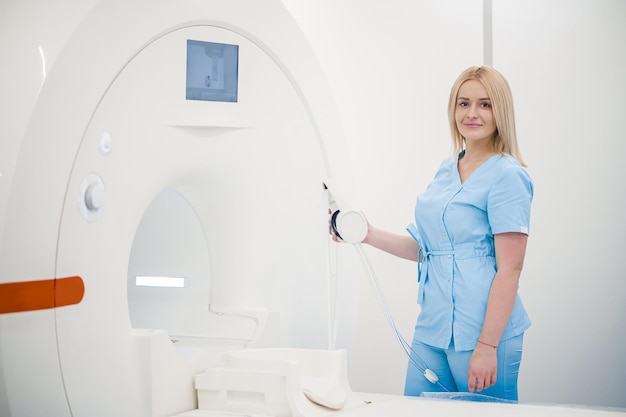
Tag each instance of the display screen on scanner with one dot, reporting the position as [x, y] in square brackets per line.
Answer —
[212, 71]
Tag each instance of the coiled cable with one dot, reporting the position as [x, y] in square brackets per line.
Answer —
[414, 359]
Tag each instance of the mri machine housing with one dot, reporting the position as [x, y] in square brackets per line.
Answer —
[133, 179]
[109, 173]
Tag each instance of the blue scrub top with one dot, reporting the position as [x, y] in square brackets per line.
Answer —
[454, 226]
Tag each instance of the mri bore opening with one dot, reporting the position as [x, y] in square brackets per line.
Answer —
[169, 269]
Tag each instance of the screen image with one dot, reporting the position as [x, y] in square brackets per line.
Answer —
[212, 71]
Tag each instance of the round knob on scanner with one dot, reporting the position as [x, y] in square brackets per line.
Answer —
[91, 197]
[94, 197]
[105, 144]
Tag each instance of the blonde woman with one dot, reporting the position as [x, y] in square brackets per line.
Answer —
[469, 235]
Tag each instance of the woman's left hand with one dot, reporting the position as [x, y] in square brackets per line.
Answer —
[482, 368]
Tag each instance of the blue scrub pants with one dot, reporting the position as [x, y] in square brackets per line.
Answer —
[452, 368]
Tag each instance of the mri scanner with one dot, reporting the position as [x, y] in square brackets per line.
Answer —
[164, 245]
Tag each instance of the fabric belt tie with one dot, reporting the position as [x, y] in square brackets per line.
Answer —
[460, 251]
[422, 267]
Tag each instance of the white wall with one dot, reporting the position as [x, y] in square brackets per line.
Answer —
[391, 65]
[566, 60]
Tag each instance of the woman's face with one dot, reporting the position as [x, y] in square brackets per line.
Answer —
[473, 114]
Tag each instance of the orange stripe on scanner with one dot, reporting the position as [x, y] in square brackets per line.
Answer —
[17, 297]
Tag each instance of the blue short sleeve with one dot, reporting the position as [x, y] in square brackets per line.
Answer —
[509, 200]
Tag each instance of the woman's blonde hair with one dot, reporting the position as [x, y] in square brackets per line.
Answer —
[505, 139]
